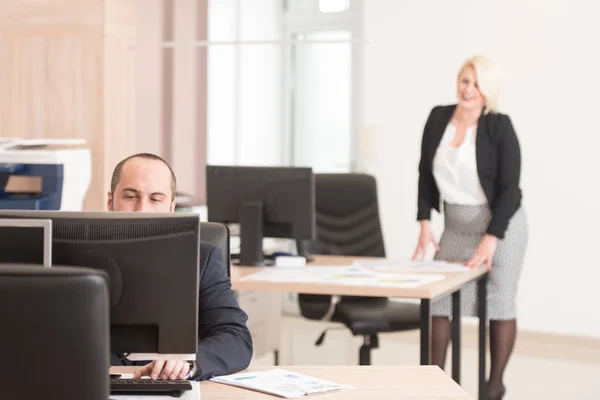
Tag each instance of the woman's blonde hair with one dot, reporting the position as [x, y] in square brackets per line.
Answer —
[487, 80]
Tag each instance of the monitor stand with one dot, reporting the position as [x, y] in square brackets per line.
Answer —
[251, 237]
[251, 234]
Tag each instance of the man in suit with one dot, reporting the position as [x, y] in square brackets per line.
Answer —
[146, 183]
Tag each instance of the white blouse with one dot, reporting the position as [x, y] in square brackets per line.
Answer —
[455, 169]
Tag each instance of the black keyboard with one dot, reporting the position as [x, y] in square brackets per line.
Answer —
[148, 386]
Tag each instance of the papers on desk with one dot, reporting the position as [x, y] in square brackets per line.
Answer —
[304, 274]
[351, 275]
[381, 279]
[280, 382]
[415, 266]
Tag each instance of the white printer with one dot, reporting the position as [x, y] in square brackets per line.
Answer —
[44, 174]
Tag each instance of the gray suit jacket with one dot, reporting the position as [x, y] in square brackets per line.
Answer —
[225, 343]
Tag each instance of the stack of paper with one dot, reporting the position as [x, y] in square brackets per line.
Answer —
[420, 266]
[365, 277]
[304, 274]
[280, 382]
[351, 275]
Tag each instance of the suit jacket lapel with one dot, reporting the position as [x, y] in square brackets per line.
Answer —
[440, 128]
[480, 144]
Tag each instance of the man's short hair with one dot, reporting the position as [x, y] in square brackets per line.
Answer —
[116, 176]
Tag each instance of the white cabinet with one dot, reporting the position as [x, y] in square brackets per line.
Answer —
[264, 319]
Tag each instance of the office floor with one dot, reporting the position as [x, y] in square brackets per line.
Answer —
[538, 369]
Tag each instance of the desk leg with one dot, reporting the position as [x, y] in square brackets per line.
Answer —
[425, 332]
[456, 345]
[482, 311]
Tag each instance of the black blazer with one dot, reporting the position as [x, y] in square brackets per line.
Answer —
[498, 165]
[225, 343]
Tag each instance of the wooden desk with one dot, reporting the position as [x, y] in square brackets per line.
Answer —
[452, 283]
[370, 382]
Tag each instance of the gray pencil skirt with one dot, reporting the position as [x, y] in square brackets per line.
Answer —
[464, 227]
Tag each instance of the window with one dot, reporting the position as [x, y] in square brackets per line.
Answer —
[284, 83]
[322, 84]
[322, 99]
[245, 82]
[333, 5]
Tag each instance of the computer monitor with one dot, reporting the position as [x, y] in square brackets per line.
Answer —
[55, 341]
[152, 261]
[277, 202]
[26, 241]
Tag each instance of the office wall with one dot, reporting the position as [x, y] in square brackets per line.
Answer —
[548, 53]
[153, 20]
[67, 69]
[171, 88]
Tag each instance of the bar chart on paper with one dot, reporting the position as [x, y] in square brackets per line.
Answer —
[280, 382]
[390, 266]
[348, 275]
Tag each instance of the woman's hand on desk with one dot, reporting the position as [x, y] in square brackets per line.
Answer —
[164, 370]
[484, 253]
[425, 238]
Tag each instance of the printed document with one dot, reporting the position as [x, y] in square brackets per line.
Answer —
[349, 275]
[280, 382]
[415, 266]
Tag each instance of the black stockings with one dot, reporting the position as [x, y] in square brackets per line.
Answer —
[502, 341]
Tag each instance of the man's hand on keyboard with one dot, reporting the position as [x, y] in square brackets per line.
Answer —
[164, 370]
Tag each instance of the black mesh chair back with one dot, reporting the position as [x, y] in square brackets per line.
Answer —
[347, 217]
[348, 224]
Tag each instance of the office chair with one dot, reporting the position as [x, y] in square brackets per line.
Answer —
[347, 217]
[217, 234]
[55, 333]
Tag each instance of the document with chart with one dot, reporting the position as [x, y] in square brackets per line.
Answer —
[349, 275]
[280, 382]
[415, 266]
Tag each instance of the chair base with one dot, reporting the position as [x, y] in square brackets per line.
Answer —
[364, 353]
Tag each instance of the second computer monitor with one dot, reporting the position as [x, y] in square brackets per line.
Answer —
[26, 241]
[274, 202]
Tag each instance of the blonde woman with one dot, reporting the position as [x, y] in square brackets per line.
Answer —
[470, 164]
